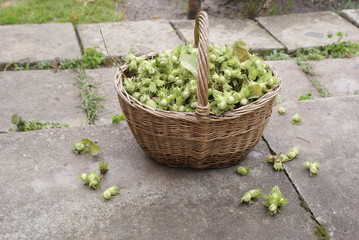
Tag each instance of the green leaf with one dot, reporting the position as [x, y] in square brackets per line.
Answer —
[305, 97]
[252, 73]
[116, 119]
[278, 100]
[15, 119]
[241, 50]
[189, 62]
[256, 90]
[94, 149]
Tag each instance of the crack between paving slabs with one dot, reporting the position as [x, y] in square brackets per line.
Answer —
[303, 203]
[265, 29]
[79, 40]
[177, 31]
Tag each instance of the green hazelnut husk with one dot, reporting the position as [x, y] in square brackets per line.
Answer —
[282, 110]
[297, 119]
[242, 171]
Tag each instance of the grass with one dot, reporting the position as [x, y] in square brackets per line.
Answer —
[251, 8]
[321, 233]
[44, 11]
[89, 93]
[91, 59]
[280, 7]
[321, 89]
[31, 125]
[305, 67]
[277, 55]
[338, 49]
[90, 97]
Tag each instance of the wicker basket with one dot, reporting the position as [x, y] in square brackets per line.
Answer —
[200, 139]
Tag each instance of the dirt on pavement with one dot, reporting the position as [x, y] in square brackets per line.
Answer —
[232, 9]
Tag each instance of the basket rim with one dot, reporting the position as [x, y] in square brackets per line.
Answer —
[191, 116]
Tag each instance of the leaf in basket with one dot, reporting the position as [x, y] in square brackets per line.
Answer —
[256, 90]
[189, 62]
[241, 50]
[252, 73]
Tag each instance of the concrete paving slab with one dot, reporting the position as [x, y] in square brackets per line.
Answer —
[40, 94]
[308, 29]
[105, 77]
[339, 76]
[143, 37]
[38, 42]
[294, 81]
[328, 134]
[41, 198]
[224, 32]
[351, 15]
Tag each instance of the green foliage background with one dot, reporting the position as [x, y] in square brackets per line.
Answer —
[43, 11]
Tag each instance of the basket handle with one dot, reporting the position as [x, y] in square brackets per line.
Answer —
[201, 40]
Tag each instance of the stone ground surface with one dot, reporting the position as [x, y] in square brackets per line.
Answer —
[105, 78]
[340, 76]
[307, 30]
[328, 134]
[41, 197]
[294, 81]
[352, 15]
[224, 32]
[38, 42]
[40, 94]
[218, 9]
[142, 37]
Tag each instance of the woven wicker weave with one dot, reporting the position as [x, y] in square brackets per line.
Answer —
[201, 139]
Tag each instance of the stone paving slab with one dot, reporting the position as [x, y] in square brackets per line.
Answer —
[329, 134]
[41, 198]
[38, 42]
[352, 15]
[294, 81]
[143, 37]
[224, 32]
[105, 77]
[339, 76]
[40, 94]
[308, 29]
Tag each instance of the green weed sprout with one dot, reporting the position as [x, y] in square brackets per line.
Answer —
[313, 167]
[32, 124]
[297, 119]
[86, 145]
[108, 193]
[253, 194]
[116, 119]
[282, 110]
[305, 97]
[274, 201]
[242, 171]
[92, 180]
[103, 167]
